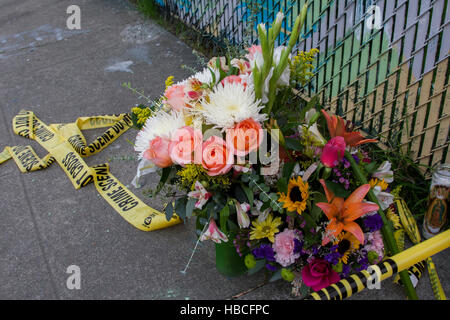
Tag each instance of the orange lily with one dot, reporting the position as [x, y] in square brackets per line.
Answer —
[338, 127]
[342, 213]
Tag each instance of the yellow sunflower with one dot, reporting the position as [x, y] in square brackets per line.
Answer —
[347, 243]
[296, 197]
[266, 229]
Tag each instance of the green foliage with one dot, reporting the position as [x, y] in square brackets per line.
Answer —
[259, 264]
[169, 211]
[408, 175]
[148, 7]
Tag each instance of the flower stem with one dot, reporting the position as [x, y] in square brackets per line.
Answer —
[388, 233]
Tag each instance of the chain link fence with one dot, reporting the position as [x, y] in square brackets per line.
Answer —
[383, 63]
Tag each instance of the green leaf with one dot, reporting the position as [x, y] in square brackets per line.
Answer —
[371, 167]
[200, 223]
[282, 185]
[311, 104]
[213, 75]
[245, 177]
[264, 206]
[190, 206]
[211, 209]
[240, 194]
[248, 193]
[293, 144]
[288, 168]
[276, 276]
[233, 226]
[259, 265]
[304, 289]
[314, 118]
[337, 189]
[264, 197]
[169, 211]
[164, 176]
[180, 207]
[310, 223]
[316, 212]
[218, 66]
[224, 214]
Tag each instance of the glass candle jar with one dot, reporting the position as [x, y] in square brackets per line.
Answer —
[436, 216]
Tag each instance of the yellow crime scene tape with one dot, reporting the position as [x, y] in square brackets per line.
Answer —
[385, 269]
[66, 145]
[415, 271]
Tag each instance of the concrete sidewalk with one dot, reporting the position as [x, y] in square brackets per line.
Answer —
[45, 224]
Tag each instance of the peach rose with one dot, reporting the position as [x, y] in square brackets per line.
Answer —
[217, 158]
[176, 97]
[245, 137]
[186, 146]
[158, 152]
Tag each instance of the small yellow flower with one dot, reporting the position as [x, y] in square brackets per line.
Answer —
[381, 183]
[347, 243]
[392, 216]
[142, 114]
[266, 229]
[296, 197]
[169, 81]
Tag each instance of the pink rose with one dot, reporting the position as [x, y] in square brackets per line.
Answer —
[186, 146]
[245, 137]
[284, 247]
[158, 152]
[319, 274]
[176, 97]
[217, 158]
[333, 152]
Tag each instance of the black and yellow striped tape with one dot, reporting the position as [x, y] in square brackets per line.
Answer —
[385, 269]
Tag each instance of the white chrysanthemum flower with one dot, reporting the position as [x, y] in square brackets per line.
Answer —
[230, 104]
[160, 124]
[204, 76]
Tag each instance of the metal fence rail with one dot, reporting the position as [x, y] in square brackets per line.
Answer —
[391, 80]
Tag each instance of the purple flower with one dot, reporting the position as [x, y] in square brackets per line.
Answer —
[265, 251]
[364, 263]
[373, 222]
[334, 256]
[345, 270]
[346, 163]
[355, 157]
[315, 250]
[298, 246]
[271, 267]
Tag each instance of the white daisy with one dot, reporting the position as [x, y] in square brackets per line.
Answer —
[230, 104]
[160, 124]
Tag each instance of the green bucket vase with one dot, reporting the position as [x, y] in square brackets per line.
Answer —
[228, 261]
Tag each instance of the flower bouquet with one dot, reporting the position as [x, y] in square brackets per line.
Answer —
[277, 184]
